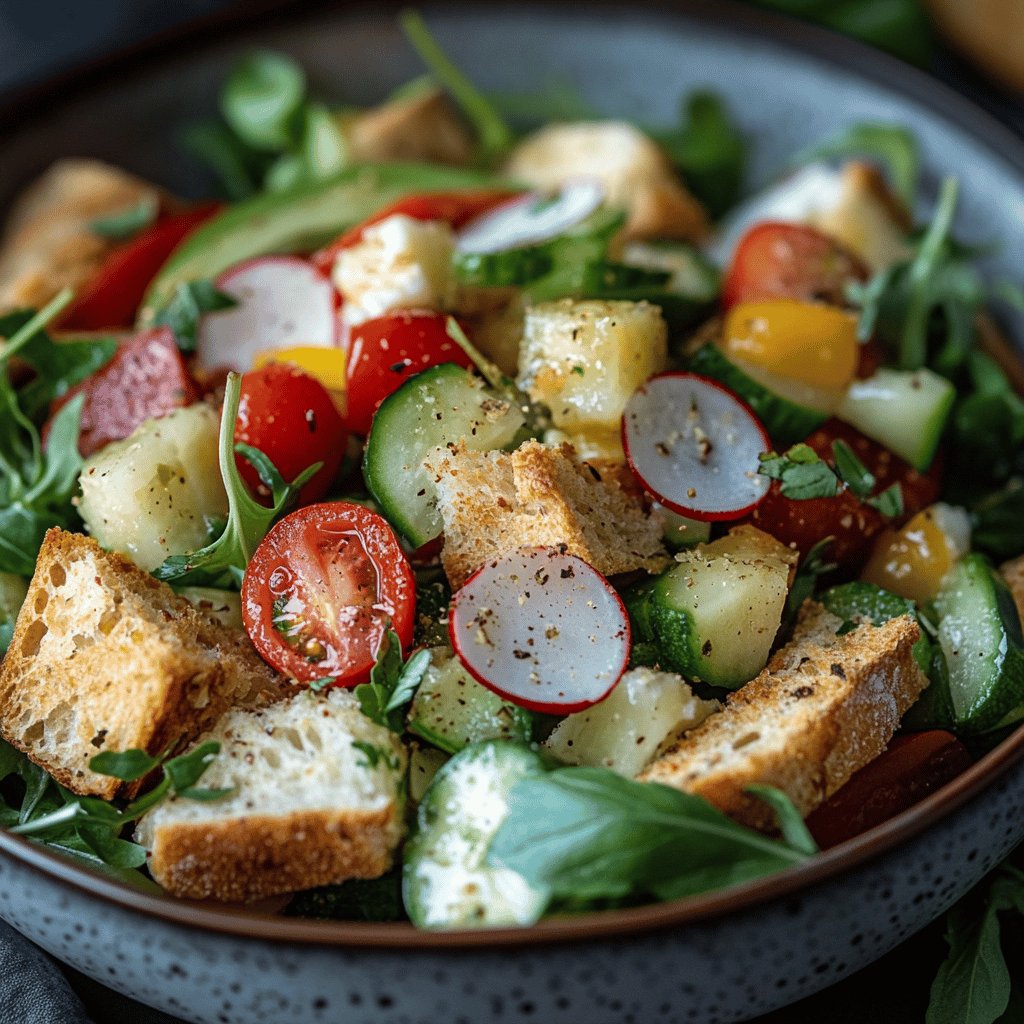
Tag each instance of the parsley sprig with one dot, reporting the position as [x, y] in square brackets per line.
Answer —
[392, 684]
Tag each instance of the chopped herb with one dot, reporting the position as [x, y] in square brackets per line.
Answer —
[392, 683]
[127, 223]
[191, 299]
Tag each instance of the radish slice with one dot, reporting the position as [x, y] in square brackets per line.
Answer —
[531, 219]
[694, 446]
[283, 302]
[542, 629]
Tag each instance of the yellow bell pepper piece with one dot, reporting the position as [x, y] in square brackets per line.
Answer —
[912, 561]
[807, 342]
[327, 365]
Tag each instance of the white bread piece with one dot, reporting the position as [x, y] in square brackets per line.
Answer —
[825, 706]
[48, 242]
[104, 657]
[635, 172]
[318, 797]
[493, 502]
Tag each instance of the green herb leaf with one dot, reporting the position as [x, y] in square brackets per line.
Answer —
[589, 834]
[811, 568]
[888, 503]
[129, 222]
[996, 521]
[791, 821]
[186, 770]
[263, 98]
[126, 765]
[851, 470]
[238, 168]
[375, 899]
[191, 299]
[392, 683]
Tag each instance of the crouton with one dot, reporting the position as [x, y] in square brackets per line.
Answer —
[48, 242]
[317, 797]
[1013, 573]
[420, 127]
[493, 502]
[824, 707]
[635, 172]
[104, 657]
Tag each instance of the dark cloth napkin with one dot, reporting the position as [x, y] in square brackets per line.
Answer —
[32, 988]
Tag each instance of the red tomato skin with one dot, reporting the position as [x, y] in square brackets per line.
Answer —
[146, 378]
[908, 770]
[384, 353]
[854, 525]
[291, 418]
[291, 565]
[457, 208]
[112, 296]
[775, 260]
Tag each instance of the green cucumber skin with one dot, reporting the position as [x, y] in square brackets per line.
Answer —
[785, 421]
[992, 685]
[299, 220]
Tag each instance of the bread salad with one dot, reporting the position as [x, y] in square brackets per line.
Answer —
[467, 524]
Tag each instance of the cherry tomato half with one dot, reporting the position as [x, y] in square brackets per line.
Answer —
[457, 208]
[323, 588]
[291, 418]
[112, 296]
[774, 260]
[146, 378]
[383, 353]
[853, 524]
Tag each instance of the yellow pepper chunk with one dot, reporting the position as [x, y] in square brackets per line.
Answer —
[913, 560]
[807, 342]
[327, 365]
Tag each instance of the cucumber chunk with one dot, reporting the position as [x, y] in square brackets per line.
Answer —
[446, 881]
[981, 641]
[681, 532]
[786, 421]
[424, 764]
[437, 407]
[714, 616]
[905, 410]
[451, 709]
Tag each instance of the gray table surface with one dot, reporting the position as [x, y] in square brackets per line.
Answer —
[43, 36]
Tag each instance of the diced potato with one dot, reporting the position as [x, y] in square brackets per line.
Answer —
[158, 492]
[400, 263]
[223, 606]
[585, 359]
[625, 732]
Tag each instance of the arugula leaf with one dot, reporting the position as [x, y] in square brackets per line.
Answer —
[263, 98]
[996, 521]
[589, 834]
[222, 563]
[129, 222]
[374, 899]
[126, 765]
[494, 137]
[888, 503]
[791, 821]
[191, 299]
[709, 151]
[392, 683]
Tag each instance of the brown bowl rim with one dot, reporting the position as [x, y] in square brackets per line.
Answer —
[31, 102]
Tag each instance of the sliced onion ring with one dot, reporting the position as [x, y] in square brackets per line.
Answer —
[543, 629]
[694, 446]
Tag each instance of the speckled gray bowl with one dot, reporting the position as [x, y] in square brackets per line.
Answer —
[720, 957]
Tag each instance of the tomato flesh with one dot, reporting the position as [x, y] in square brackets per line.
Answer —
[290, 416]
[775, 260]
[112, 296]
[146, 378]
[323, 588]
[852, 523]
[385, 352]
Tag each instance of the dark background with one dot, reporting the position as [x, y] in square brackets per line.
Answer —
[40, 37]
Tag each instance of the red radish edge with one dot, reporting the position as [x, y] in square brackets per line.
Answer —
[683, 510]
[543, 707]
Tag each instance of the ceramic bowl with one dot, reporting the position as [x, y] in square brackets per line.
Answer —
[719, 957]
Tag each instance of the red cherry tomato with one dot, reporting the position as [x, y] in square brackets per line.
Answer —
[112, 296]
[457, 208]
[323, 588]
[853, 524]
[907, 771]
[146, 378]
[383, 353]
[789, 261]
[290, 417]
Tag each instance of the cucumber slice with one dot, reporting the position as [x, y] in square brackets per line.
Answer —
[446, 881]
[905, 410]
[714, 616]
[435, 408]
[785, 420]
[981, 641]
[690, 273]
[681, 532]
[424, 764]
[451, 709]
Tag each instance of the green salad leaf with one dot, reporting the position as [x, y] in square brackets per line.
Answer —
[392, 684]
[372, 899]
[129, 222]
[185, 308]
[262, 100]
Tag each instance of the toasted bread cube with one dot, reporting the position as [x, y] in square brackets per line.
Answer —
[633, 169]
[104, 657]
[493, 503]
[317, 797]
[824, 707]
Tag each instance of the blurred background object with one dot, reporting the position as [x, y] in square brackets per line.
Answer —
[988, 32]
